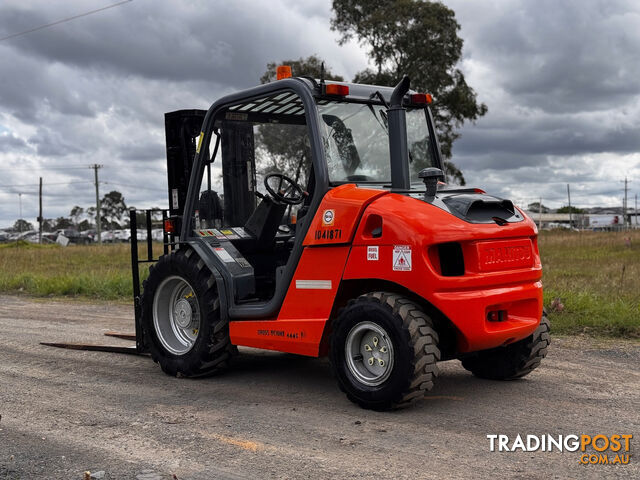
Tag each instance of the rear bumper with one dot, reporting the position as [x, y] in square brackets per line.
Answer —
[469, 311]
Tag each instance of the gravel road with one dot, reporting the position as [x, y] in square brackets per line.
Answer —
[282, 416]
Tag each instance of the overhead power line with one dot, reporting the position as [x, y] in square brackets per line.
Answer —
[58, 22]
[8, 169]
[36, 184]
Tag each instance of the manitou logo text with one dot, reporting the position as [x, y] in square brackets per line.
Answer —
[505, 255]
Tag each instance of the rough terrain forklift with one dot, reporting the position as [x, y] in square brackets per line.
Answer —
[312, 217]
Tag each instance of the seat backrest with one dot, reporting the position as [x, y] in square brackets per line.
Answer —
[264, 222]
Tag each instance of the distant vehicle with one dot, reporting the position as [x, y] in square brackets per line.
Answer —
[604, 221]
[4, 237]
[157, 234]
[22, 235]
[106, 236]
[31, 237]
[90, 235]
[122, 235]
[73, 236]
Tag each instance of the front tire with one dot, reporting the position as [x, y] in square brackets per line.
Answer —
[384, 351]
[513, 361]
[182, 326]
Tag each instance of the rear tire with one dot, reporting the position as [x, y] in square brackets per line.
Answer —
[513, 361]
[182, 326]
[384, 351]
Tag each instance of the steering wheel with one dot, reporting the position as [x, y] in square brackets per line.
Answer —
[287, 191]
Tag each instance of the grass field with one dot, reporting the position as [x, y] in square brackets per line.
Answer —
[595, 276]
[94, 272]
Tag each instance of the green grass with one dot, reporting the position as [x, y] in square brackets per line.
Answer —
[596, 276]
[94, 272]
[584, 270]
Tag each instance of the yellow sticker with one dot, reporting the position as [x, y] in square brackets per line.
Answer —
[200, 142]
[227, 232]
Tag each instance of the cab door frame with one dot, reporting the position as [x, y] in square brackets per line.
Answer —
[263, 309]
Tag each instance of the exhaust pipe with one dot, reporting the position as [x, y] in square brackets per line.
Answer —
[398, 150]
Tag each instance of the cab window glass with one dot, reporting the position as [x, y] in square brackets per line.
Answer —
[257, 138]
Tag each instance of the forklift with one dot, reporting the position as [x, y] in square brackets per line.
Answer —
[311, 217]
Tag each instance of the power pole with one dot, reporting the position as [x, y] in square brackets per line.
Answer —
[20, 202]
[570, 216]
[540, 214]
[40, 214]
[636, 209]
[98, 226]
[624, 204]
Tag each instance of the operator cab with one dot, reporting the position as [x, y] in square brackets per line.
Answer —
[268, 157]
[258, 181]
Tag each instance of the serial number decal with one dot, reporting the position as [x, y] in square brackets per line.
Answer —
[329, 234]
[280, 333]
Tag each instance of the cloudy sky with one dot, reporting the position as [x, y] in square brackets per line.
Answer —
[560, 80]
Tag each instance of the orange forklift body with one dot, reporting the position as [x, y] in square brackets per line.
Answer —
[366, 234]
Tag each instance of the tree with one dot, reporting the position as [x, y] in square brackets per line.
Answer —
[76, 213]
[285, 148]
[84, 225]
[91, 213]
[310, 66]
[62, 223]
[419, 39]
[113, 209]
[570, 210]
[48, 225]
[22, 226]
[535, 207]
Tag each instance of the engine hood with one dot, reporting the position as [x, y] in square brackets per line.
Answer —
[472, 205]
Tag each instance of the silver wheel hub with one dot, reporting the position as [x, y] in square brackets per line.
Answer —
[182, 312]
[176, 315]
[369, 353]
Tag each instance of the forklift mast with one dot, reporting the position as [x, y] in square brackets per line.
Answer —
[182, 129]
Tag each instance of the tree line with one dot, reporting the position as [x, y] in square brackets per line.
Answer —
[114, 215]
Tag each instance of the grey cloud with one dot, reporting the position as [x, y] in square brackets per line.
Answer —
[141, 151]
[561, 56]
[49, 143]
[549, 136]
[11, 143]
[559, 79]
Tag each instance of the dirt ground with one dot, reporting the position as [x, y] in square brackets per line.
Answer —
[275, 415]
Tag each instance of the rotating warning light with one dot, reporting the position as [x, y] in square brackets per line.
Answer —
[283, 71]
[421, 98]
[335, 89]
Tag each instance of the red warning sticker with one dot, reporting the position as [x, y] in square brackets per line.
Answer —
[402, 258]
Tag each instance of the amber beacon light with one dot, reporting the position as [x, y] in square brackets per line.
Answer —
[283, 71]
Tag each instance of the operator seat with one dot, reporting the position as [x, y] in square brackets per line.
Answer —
[264, 222]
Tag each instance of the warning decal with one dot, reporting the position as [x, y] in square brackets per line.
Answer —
[372, 253]
[402, 258]
[230, 234]
[223, 255]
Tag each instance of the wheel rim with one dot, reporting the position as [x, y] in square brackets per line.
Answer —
[369, 353]
[176, 315]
